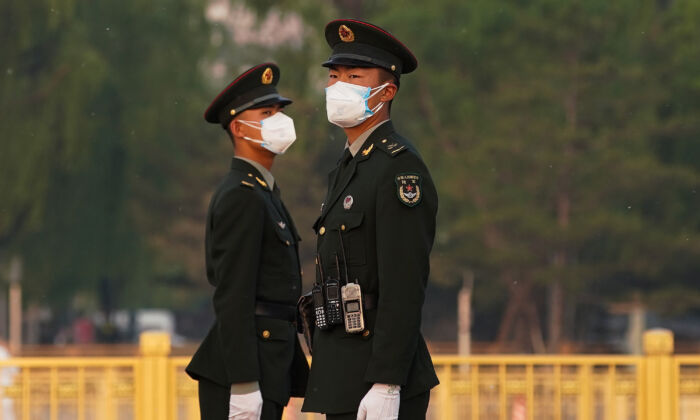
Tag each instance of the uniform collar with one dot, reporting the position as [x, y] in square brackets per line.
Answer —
[362, 138]
[267, 175]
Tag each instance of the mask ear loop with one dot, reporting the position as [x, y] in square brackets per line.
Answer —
[379, 89]
[252, 124]
[380, 104]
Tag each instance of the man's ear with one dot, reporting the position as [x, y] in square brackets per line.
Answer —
[388, 93]
[235, 128]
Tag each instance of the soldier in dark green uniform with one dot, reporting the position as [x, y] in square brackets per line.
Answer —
[378, 217]
[250, 363]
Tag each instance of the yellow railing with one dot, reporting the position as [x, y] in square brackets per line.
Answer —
[153, 386]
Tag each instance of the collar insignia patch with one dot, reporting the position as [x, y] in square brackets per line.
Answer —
[261, 182]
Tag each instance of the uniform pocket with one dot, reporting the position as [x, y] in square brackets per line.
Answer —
[351, 230]
[285, 235]
[270, 329]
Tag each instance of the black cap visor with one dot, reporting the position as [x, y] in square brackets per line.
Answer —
[256, 98]
[363, 55]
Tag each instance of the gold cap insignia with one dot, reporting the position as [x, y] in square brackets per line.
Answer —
[346, 35]
[267, 76]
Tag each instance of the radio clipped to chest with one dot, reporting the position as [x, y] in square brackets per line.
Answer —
[335, 304]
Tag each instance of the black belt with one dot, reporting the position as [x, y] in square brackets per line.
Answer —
[289, 312]
[276, 310]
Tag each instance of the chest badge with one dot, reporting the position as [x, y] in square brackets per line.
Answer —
[347, 202]
[409, 189]
[281, 224]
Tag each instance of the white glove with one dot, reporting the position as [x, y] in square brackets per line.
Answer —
[245, 406]
[380, 403]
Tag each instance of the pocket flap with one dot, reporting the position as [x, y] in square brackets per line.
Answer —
[285, 234]
[273, 329]
[347, 221]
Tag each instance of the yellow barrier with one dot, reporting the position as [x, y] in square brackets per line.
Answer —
[153, 386]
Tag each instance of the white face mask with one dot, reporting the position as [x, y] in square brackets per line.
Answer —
[277, 132]
[346, 104]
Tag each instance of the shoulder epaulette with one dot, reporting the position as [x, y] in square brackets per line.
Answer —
[392, 145]
[250, 181]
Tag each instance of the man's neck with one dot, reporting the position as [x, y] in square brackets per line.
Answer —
[354, 132]
[266, 160]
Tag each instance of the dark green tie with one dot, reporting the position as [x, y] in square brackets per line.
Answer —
[342, 165]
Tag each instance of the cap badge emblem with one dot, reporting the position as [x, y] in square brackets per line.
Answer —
[347, 202]
[267, 76]
[346, 35]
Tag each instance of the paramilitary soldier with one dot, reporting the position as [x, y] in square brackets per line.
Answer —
[376, 229]
[251, 362]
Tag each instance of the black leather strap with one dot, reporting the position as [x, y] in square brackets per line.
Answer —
[276, 310]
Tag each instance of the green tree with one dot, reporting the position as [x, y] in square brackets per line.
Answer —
[100, 141]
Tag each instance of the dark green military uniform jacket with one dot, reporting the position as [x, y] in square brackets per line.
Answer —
[384, 204]
[251, 256]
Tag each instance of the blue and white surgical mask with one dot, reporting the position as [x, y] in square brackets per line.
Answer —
[277, 132]
[346, 104]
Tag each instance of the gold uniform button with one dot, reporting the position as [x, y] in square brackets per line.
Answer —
[384, 141]
[233, 112]
[266, 334]
[322, 230]
[342, 227]
[393, 67]
[365, 333]
[287, 242]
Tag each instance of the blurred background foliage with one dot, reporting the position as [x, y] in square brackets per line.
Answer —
[562, 137]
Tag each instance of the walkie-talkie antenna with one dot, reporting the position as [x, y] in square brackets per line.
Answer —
[345, 260]
[319, 266]
[337, 265]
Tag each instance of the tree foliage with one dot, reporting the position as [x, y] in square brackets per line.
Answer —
[562, 136]
[98, 115]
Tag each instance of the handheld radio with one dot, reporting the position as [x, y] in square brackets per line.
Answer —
[319, 301]
[351, 295]
[334, 311]
[352, 305]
